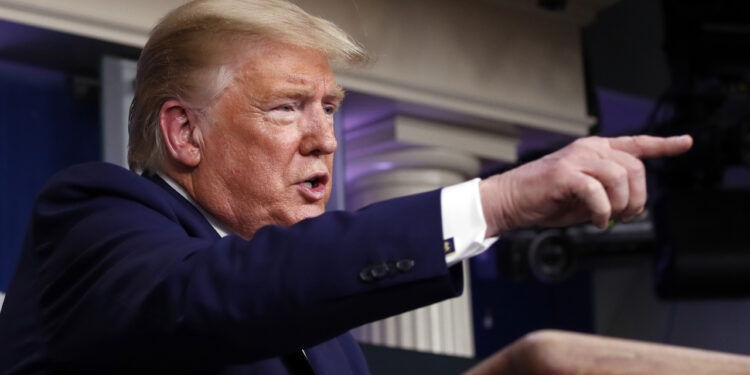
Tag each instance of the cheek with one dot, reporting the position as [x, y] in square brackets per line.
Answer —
[256, 146]
[275, 166]
[282, 149]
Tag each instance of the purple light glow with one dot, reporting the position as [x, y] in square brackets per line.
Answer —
[356, 170]
[621, 113]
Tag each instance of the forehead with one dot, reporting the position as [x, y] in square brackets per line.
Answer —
[279, 65]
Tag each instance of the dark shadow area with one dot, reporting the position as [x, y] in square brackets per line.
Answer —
[387, 361]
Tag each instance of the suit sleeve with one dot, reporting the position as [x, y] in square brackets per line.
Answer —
[122, 282]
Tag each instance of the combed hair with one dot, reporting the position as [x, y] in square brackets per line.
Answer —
[185, 55]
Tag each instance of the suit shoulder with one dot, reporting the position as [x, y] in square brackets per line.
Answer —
[95, 180]
[94, 174]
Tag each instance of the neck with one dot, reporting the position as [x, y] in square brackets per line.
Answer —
[178, 186]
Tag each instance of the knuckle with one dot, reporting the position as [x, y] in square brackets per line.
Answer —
[584, 143]
[561, 169]
[620, 202]
[589, 147]
[579, 141]
[636, 167]
[587, 141]
[590, 187]
[636, 142]
[564, 166]
[619, 173]
[603, 212]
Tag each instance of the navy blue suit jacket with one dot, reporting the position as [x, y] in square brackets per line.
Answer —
[120, 274]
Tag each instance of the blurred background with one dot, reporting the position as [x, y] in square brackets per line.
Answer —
[460, 89]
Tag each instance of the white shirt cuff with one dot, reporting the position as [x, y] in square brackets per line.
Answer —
[463, 222]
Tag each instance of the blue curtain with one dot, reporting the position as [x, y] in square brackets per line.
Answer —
[44, 127]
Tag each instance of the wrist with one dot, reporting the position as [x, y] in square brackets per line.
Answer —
[495, 203]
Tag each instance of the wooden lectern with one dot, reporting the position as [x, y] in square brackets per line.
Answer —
[565, 353]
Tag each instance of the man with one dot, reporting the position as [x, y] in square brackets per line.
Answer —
[219, 259]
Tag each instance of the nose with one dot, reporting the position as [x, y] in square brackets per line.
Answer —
[318, 136]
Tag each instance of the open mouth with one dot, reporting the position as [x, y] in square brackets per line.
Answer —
[314, 187]
[313, 182]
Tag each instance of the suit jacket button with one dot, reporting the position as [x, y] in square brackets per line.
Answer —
[365, 275]
[379, 271]
[392, 270]
[405, 265]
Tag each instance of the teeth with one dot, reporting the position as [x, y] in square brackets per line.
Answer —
[308, 184]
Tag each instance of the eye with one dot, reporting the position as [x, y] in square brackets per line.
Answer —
[329, 110]
[285, 113]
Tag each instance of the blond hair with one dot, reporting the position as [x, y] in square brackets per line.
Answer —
[184, 57]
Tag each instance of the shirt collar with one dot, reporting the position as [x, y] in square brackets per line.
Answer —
[216, 224]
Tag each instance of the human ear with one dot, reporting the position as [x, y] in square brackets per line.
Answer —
[180, 135]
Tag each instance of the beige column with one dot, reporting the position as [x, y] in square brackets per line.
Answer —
[445, 327]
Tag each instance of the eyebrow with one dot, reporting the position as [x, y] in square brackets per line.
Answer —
[335, 93]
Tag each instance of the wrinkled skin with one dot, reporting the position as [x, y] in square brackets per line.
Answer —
[266, 134]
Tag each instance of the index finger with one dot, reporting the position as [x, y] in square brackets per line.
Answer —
[646, 146]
